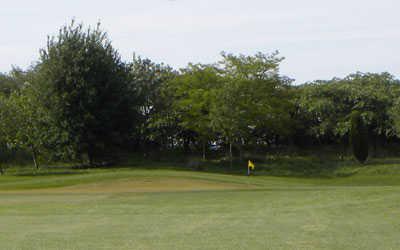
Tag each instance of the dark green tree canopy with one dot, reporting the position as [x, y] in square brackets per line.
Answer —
[86, 85]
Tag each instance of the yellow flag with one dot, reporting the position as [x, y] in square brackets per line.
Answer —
[251, 165]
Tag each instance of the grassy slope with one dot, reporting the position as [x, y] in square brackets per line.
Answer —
[356, 212]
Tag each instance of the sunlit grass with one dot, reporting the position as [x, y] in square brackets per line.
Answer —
[139, 208]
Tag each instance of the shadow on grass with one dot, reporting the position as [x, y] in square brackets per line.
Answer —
[282, 166]
[300, 167]
[274, 166]
[50, 173]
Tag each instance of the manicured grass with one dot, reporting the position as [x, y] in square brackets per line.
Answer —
[122, 208]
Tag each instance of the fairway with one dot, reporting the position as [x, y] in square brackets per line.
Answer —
[165, 209]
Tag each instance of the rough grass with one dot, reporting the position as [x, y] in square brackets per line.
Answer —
[123, 208]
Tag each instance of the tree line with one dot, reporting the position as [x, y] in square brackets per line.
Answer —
[80, 101]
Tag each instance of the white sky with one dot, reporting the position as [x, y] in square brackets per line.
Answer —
[320, 39]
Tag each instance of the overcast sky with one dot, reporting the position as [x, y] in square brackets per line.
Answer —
[319, 39]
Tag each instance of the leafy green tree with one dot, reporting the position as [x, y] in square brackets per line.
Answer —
[359, 137]
[253, 96]
[325, 107]
[193, 94]
[24, 120]
[149, 78]
[85, 83]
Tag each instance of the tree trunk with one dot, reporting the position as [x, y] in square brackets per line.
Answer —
[204, 150]
[90, 154]
[34, 157]
[241, 149]
[375, 145]
[186, 143]
[230, 153]
[341, 157]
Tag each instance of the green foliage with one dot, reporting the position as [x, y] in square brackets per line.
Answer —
[235, 101]
[85, 83]
[395, 115]
[24, 121]
[359, 137]
[149, 79]
[13, 81]
[258, 66]
[193, 93]
[81, 101]
[325, 106]
[254, 97]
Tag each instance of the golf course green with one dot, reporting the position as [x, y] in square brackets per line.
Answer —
[123, 208]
